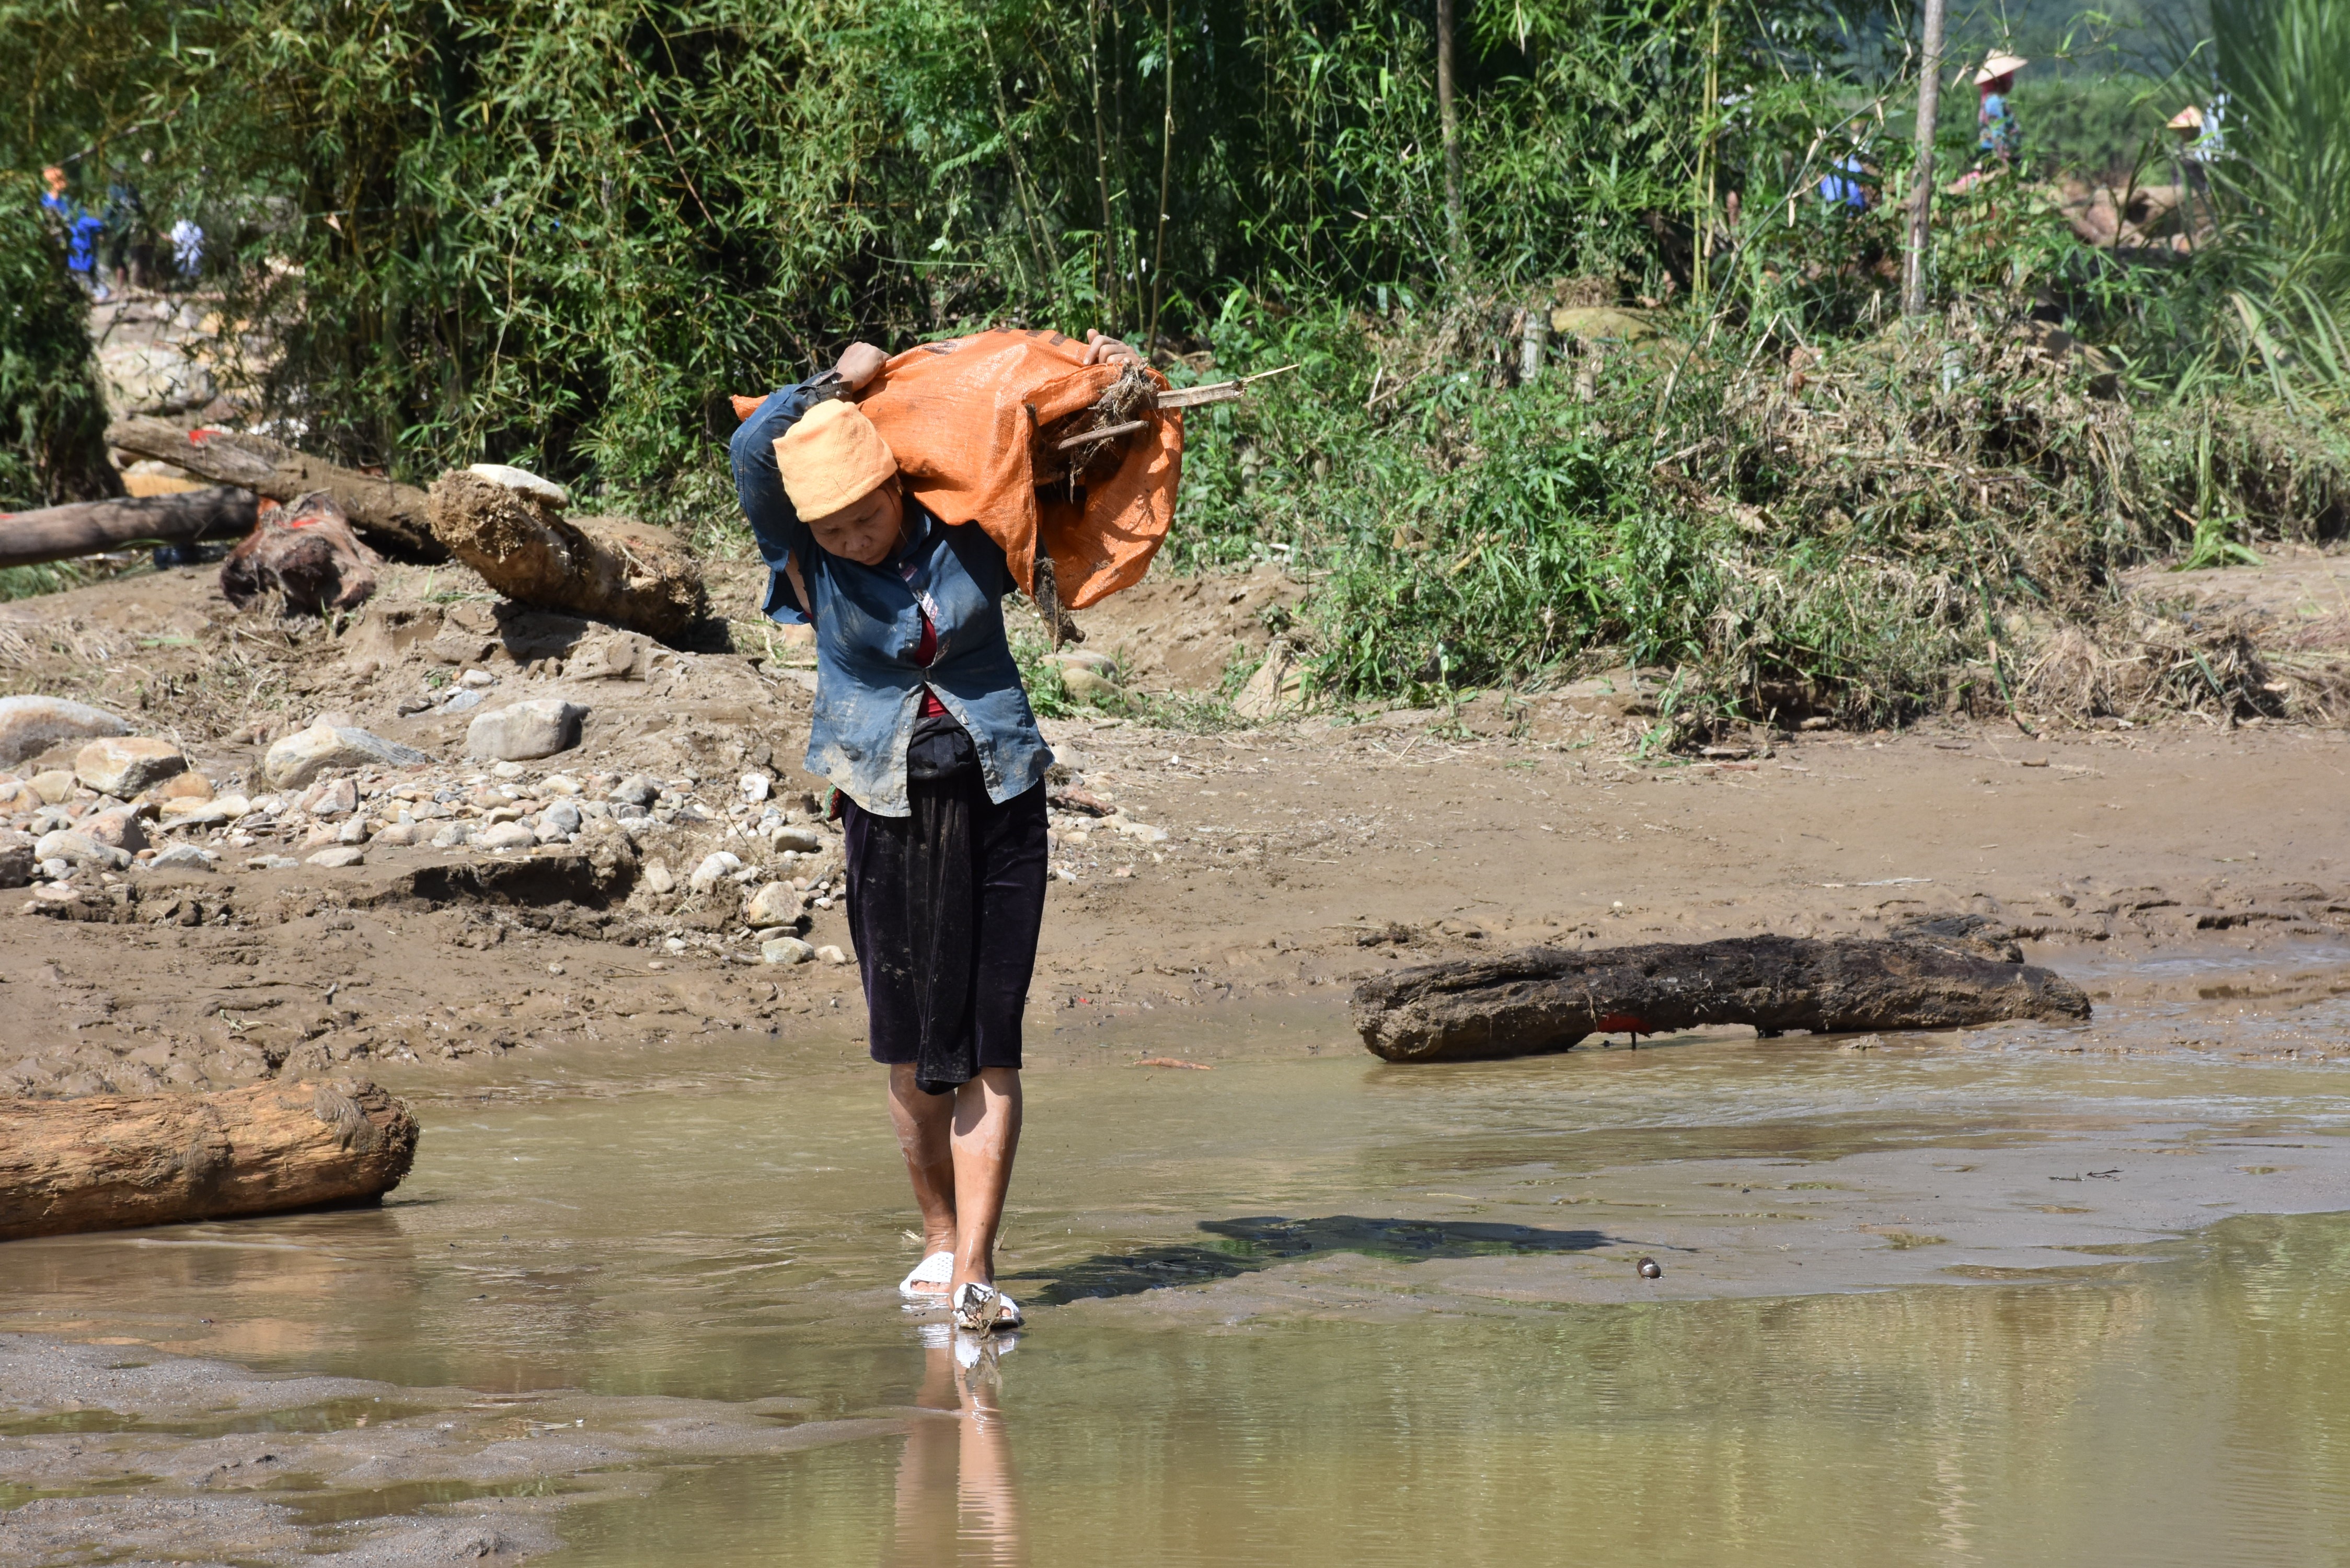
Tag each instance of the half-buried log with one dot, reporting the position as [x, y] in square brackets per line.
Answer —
[111, 1161]
[509, 525]
[1545, 999]
[88, 527]
[391, 515]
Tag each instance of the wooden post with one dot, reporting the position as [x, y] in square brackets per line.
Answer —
[1921, 188]
[1455, 228]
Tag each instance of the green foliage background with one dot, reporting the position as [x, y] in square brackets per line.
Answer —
[561, 233]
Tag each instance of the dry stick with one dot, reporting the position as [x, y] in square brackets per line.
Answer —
[1166, 171]
[1921, 188]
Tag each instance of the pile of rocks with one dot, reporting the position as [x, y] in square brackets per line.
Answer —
[131, 803]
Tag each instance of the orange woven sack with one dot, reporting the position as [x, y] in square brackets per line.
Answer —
[975, 423]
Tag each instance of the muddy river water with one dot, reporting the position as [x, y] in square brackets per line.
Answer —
[2014, 1297]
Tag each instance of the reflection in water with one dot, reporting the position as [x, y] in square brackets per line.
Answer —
[958, 1496]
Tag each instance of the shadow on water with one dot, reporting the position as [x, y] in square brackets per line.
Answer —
[1259, 1241]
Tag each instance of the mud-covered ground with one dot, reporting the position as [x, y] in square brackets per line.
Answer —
[1275, 860]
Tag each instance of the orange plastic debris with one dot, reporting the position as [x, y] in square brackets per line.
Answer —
[962, 418]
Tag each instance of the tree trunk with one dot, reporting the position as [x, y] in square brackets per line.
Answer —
[1921, 188]
[613, 569]
[62, 533]
[1545, 999]
[391, 515]
[111, 1161]
[1456, 230]
[305, 553]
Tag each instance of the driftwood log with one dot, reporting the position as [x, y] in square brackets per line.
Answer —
[391, 515]
[611, 569]
[304, 552]
[88, 527]
[107, 1162]
[1545, 999]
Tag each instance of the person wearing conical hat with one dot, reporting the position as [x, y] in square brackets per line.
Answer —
[938, 770]
[1999, 136]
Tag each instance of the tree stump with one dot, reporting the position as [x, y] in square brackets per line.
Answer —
[613, 569]
[107, 1162]
[304, 551]
[1541, 999]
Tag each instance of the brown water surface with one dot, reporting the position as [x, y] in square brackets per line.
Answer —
[1932, 1302]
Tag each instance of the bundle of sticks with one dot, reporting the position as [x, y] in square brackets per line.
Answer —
[1093, 440]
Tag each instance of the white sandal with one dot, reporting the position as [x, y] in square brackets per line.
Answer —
[983, 1309]
[938, 1268]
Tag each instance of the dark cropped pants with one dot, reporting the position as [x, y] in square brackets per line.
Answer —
[944, 906]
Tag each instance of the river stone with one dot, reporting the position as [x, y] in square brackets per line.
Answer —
[755, 787]
[78, 849]
[464, 700]
[715, 866]
[55, 787]
[637, 789]
[15, 858]
[213, 813]
[399, 832]
[301, 757]
[123, 765]
[797, 840]
[538, 728]
[786, 949]
[830, 954]
[332, 798]
[183, 857]
[1087, 684]
[562, 817]
[505, 836]
[658, 877]
[189, 785]
[777, 904]
[117, 829]
[339, 857]
[31, 725]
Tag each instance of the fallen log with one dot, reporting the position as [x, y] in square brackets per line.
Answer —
[90, 527]
[509, 525]
[306, 552]
[1542, 999]
[109, 1162]
[391, 515]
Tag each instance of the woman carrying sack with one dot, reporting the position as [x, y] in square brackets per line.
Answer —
[938, 769]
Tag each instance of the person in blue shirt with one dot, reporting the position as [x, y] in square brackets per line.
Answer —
[938, 771]
[82, 232]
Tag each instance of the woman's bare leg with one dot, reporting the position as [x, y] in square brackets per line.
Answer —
[986, 1138]
[925, 1125]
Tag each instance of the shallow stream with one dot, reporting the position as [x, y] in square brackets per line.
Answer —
[1943, 1301]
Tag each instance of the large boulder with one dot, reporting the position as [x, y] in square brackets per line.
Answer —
[31, 725]
[303, 756]
[117, 829]
[538, 728]
[123, 765]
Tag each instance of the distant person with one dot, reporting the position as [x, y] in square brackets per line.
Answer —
[126, 235]
[1842, 187]
[187, 250]
[1999, 136]
[82, 232]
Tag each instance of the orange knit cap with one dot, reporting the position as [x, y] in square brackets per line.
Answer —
[832, 459]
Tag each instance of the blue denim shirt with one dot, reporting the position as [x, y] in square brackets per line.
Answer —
[869, 624]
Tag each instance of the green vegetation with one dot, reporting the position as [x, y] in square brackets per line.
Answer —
[562, 236]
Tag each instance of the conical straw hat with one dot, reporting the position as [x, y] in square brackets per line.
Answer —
[2188, 119]
[2000, 66]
